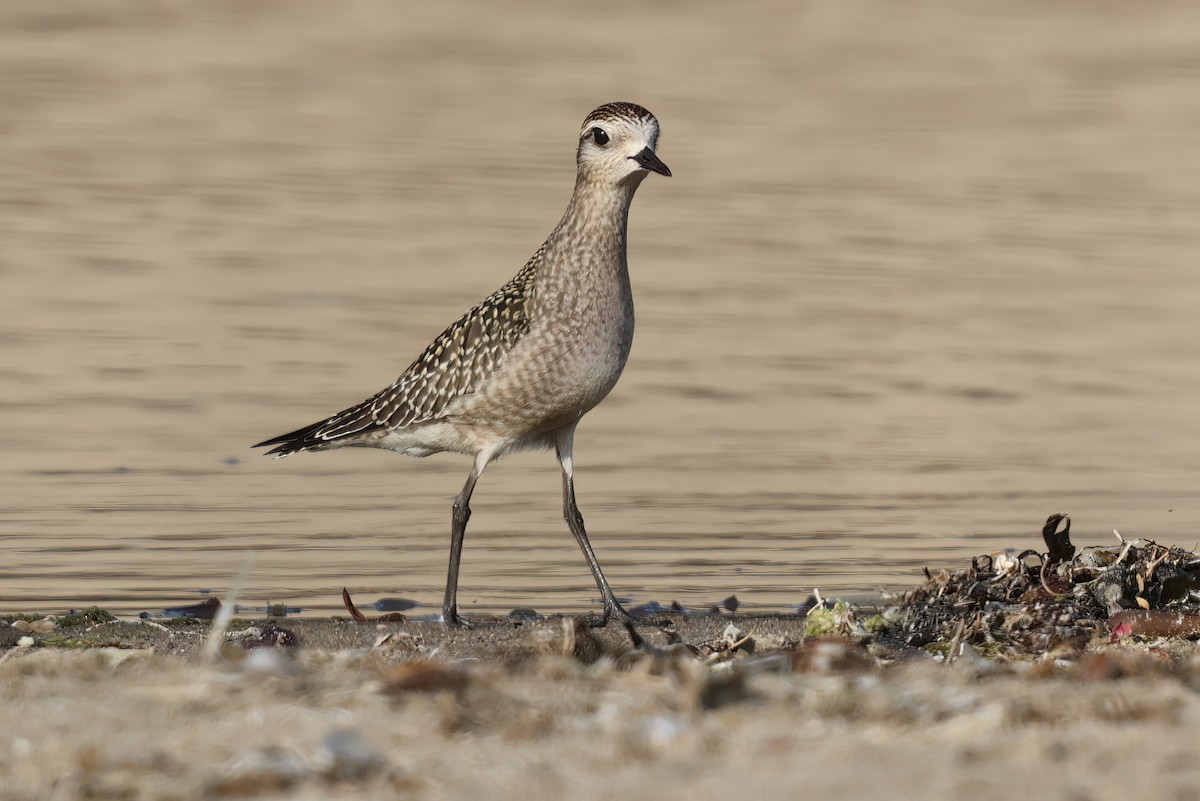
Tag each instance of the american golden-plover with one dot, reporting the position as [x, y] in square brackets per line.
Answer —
[519, 370]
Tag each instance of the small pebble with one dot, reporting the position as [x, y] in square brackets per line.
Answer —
[348, 757]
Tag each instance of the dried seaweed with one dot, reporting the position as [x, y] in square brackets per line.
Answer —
[1018, 604]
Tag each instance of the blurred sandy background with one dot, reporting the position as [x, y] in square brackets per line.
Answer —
[925, 274]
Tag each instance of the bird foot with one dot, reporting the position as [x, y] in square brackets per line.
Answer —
[612, 610]
[453, 620]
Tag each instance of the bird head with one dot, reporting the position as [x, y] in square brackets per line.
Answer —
[616, 145]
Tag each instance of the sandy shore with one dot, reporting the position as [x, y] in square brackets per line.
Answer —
[925, 274]
[513, 711]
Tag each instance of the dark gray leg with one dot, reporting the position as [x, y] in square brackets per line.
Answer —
[458, 529]
[564, 445]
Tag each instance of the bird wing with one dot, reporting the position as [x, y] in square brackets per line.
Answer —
[456, 363]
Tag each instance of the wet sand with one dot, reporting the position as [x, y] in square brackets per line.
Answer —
[500, 712]
[1070, 673]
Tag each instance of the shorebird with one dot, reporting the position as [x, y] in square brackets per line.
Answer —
[520, 369]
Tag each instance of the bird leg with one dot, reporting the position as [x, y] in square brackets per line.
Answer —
[565, 442]
[458, 529]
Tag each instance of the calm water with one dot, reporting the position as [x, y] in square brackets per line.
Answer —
[924, 275]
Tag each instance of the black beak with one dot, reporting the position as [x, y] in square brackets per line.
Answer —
[648, 161]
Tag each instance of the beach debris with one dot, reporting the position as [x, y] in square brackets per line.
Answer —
[270, 610]
[1153, 623]
[90, 616]
[1004, 564]
[1009, 604]
[403, 641]
[1057, 534]
[732, 642]
[1110, 589]
[351, 608]
[524, 614]
[43, 626]
[814, 601]
[673, 658]
[389, 617]
[394, 604]
[9, 635]
[205, 610]
[673, 649]
[824, 621]
[268, 635]
[649, 609]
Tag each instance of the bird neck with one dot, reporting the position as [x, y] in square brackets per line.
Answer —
[597, 218]
[583, 263]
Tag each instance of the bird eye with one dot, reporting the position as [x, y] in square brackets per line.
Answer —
[600, 136]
